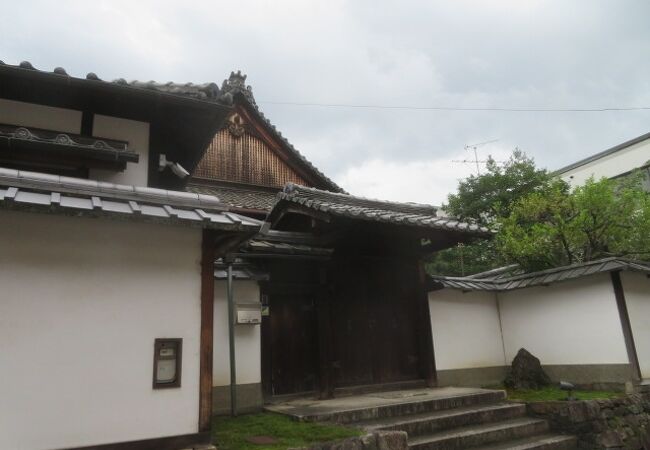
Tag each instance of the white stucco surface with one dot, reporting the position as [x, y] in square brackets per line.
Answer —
[573, 322]
[636, 287]
[466, 331]
[612, 165]
[39, 116]
[81, 302]
[137, 135]
[247, 337]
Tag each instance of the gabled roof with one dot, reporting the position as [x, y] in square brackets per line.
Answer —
[33, 191]
[541, 278]
[236, 87]
[351, 207]
[602, 154]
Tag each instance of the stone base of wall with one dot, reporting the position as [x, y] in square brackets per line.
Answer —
[476, 377]
[380, 440]
[622, 423]
[597, 377]
[249, 399]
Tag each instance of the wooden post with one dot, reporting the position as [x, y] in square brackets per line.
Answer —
[324, 315]
[625, 325]
[427, 357]
[207, 323]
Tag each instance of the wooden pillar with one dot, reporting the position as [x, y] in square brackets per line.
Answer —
[425, 336]
[324, 314]
[625, 325]
[207, 323]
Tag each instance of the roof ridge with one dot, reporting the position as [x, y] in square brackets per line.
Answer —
[291, 188]
[206, 92]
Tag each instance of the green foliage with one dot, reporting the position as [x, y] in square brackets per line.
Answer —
[485, 197]
[230, 433]
[559, 227]
[465, 259]
[550, 394]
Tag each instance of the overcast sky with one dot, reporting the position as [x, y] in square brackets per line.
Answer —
[501, 53]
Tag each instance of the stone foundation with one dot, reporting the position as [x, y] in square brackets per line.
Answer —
[622, 423]
[249, 399]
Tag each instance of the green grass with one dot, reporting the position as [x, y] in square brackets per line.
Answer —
[230, 433]
[554, 393]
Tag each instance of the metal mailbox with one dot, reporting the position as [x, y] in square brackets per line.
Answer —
[248, 313]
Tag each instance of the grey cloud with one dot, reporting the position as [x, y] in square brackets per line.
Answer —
[504, 53]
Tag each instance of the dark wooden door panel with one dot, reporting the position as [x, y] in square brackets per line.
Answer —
[294, 341]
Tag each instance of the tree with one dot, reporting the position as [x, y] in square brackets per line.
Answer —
[484, 199]
[559, 227]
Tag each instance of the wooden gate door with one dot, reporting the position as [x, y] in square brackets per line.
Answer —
[290, 344]
[374, 323]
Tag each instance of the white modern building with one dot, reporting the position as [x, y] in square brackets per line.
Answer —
[614, 162]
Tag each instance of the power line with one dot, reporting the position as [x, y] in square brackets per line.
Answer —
[453, 108]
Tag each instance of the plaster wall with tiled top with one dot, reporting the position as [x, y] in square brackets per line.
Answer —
[573, 327]
[82, 302]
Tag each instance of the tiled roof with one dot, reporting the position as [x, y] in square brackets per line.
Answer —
[541, 278]
[235, 85]
[40, 192]
[237, 197]
[344, 205]
[209, 92]
[106, 149]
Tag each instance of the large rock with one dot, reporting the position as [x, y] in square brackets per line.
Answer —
[526, 372]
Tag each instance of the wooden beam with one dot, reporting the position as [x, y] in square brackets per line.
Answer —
[625, 324]
[425, 336]
[324, 316]
[207, 325]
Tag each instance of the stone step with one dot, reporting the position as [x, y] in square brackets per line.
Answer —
[542, 442]
[431, 422]
[403, 407]
[477, 435]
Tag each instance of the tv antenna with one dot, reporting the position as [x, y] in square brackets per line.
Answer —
[475, 160]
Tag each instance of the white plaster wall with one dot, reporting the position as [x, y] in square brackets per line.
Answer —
[81, 302]
[247, 337]
[573, 322]
[39, 116]
[611, 165]
[137, 135]
[466, 331]
[636, 287]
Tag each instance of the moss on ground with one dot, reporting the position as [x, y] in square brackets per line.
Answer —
[554, 393]
[231, 433]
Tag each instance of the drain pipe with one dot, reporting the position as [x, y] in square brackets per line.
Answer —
[231, 340]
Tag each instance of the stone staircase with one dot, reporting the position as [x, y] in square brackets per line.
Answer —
[481, 420]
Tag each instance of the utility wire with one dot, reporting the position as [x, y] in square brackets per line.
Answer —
[451, 108]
